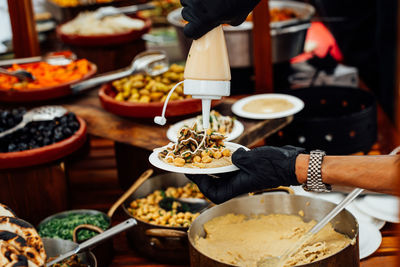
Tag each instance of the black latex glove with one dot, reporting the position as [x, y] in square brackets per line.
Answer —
[260, 168]
[204, 15]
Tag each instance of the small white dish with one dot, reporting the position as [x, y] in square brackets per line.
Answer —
[173, 131]
[370, 238]
[237, 108]
[159, 163]
[383, 207]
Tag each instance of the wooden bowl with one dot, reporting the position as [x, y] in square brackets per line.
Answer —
[147, 110]
[45, 154]
[104, 39]
[44, 93]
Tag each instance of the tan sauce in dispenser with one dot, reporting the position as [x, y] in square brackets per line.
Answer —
[207, 71]
[208, 58]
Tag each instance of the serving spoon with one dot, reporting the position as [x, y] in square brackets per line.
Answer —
[45, 113]
[21, 75]
[60, 58]
[152, 63]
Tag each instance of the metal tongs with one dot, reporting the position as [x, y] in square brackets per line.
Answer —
[152, 63]
[112, 11]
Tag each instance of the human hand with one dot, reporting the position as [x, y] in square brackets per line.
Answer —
[204, 15]
[260, 168]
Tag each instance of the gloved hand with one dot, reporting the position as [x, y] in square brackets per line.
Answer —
[204, 15]
[260, 168]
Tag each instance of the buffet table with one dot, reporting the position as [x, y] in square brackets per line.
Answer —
[95, 186]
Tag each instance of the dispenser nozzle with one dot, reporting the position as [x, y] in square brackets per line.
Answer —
[206, 107]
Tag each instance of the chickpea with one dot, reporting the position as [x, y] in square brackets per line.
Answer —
[179, 162]
[226, 152]
[144, 92]
[196, 159]
[144, 99]
[206, 159]
[138, 84]
[206, 153]
[119, 97]
[217, 154]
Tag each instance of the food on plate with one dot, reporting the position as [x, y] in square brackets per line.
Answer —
[24, 230]
[267, 105]
[148, 210]
[197, 149]
[62, 227]
[6, 211]
[21, 245]
[46, 75]
[145, 89]
[260, 236]
[90, 24]
[74, 3]
[34, 134]
[218, 123]
[73, 261]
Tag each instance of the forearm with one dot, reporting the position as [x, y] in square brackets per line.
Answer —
[375, 173]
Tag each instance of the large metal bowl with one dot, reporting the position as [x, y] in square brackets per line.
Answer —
[287, 37]
[165, 244]
[316, 209]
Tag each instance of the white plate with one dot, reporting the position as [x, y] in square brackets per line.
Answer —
[173, 131]
[335, 197]
[370, 239]
[383, 207]
[237, 108]
[157, 162]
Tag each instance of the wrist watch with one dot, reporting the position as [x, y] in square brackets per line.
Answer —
[314, 176]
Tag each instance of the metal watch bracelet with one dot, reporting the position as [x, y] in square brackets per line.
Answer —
[314, 174]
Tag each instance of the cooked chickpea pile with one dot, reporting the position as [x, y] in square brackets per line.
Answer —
[148, 210]
[194, 147]
[145, 89]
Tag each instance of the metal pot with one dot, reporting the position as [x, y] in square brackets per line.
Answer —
[315, 209]
[104, 252]
[55, 247]
[161, 243]
[287, 37]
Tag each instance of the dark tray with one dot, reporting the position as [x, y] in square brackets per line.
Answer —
[338, 120]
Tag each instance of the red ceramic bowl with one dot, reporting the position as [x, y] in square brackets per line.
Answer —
[147, 110]
[104, 40]
[44, 93]
[45, 154]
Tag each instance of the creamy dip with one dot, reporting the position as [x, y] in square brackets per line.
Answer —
[215, 163]
[270, 105]
[239, 240]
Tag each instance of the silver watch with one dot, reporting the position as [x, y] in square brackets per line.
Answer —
[314, 176]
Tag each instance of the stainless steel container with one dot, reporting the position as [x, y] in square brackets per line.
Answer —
[55, 247]
[316, 209]
[287, 37]
[104, 252]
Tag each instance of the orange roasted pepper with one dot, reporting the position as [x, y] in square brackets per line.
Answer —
[46, 75]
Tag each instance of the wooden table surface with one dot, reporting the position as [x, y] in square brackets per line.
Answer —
[94, 185]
